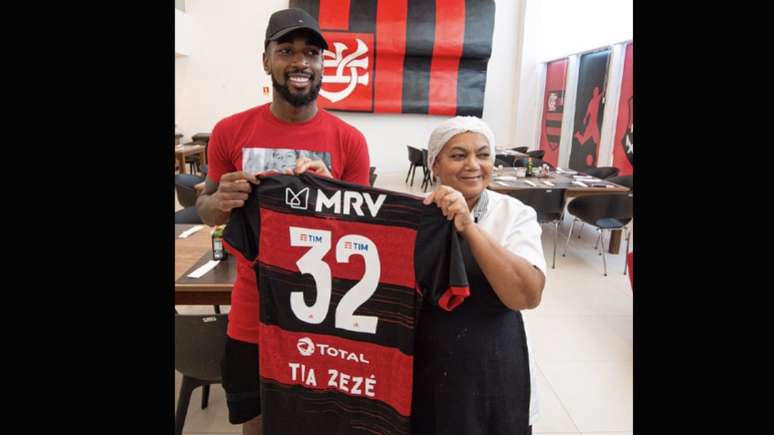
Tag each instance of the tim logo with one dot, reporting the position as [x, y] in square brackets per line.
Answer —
[305, 346]
[298, 200]
[355, 246]
[347, 81]
[310, 238]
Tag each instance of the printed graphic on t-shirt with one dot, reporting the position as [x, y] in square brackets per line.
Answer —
[256, 160]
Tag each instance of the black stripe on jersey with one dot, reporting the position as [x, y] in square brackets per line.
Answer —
[293, 409]
[395, 306]
[477, 47]
[311, 6]
[420, 36]
[362, 16]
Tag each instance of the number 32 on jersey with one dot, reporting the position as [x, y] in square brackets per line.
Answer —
[312, 263]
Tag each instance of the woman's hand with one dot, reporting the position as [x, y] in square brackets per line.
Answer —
[304, 164]
[453, 205]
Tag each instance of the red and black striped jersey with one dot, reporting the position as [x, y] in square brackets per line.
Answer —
[342, 271]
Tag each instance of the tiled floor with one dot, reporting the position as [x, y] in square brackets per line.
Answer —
[581, 336]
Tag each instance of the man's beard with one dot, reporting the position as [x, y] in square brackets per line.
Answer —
[296, 100]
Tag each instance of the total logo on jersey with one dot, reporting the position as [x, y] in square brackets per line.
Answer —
[306, 347]
[337, 203]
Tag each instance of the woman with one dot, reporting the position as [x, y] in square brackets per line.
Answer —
[471, 365]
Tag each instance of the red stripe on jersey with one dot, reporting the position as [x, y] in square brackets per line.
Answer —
[334, 14]
[235, 252]
[452, 297]
[391, 47]
[447, 50]
[370, 371]
[395, 246]
[553, 131]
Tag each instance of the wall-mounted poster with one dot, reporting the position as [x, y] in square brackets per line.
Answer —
[589, 107]
[553, 109]
[623, 145]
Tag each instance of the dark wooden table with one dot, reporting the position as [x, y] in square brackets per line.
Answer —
[214, 287]
[505, 180]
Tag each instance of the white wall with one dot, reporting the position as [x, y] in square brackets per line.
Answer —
[182, 34]
[222, 75]
[555, 29]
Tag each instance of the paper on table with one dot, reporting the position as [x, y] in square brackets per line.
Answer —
[530, 183]
[580, 183]
[190, 231]
[206, 267]
[548, 183]
[505, 178]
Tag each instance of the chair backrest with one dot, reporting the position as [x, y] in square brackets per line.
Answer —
[201, 138]
[548, 203]
[372, 175]
[424, 157]
[603, 172]
[592, 208]
[537, 154]
[623, 180]
[415, 155]
[535, 162]
[184, 185]
[520, 149]
[199, 343]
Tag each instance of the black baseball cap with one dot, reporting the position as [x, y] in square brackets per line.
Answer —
[287, 20]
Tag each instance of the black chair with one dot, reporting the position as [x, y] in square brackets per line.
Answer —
[426, 178]
[203, 170]
[523, 162]
[607, 212]
[188, 215]
[602, 172]
[372, 176]
[199, 344]
[197, 139]
[536, 154]
[504, 160]
[184, 185]
[416, 158]
[623, 180]
[520, 149]
[549, 206]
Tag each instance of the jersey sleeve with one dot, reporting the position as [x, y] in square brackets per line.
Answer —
[356, 159]
[243, 228]
[438, 261]
[218, 161]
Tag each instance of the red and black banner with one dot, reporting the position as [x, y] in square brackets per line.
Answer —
[404, 56]
[589, 108]
[553, 109]
[623, 145]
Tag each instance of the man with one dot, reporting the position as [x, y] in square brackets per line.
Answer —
[293, 56]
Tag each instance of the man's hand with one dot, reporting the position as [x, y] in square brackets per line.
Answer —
[233, 189]
[453, 205]
[304, 164]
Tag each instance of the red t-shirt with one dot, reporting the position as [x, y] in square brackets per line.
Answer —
[256, 141]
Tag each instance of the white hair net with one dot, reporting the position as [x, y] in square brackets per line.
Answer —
[452, 127]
